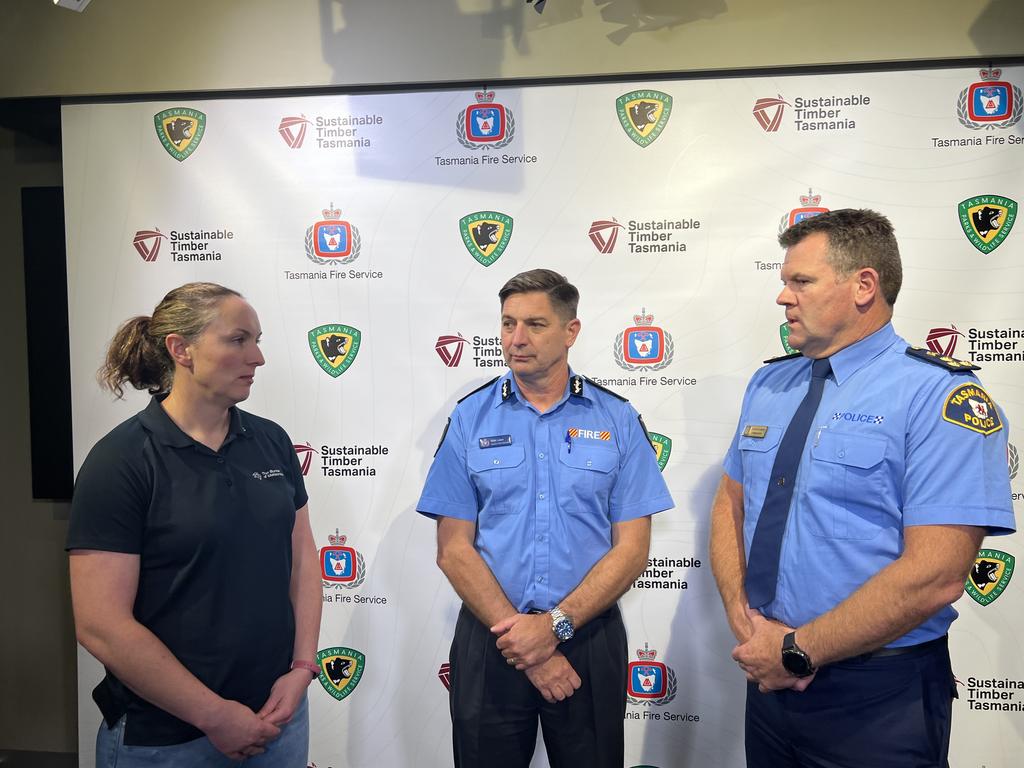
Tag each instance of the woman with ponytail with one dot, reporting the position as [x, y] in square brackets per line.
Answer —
[194, 576]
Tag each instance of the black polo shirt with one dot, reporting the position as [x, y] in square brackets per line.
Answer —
[213, 532]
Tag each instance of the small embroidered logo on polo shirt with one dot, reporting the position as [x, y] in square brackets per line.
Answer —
[862, 418]
[589, 434]
[267, 474]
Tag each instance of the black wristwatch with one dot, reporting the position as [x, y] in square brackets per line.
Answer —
[794, 658]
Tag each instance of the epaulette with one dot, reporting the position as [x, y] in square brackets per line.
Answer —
[943, 361]
[780, 358]
[595, 385]
[482, 386]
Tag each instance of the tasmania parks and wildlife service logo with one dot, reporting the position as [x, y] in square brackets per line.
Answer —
[449, 349]
[643, 346]
[810, 205]
[768, 112]
[486, 124]
[662, 448]
[784, 332]
[341, 669]
[604, 233]
[969, 406]
[334, 347]
[147, 243]
[486, 235]
[341, 566]
[292, 130]
[987, 220]
[989, 575]
[332, 240]
[942, 341]
[650, 681]
[990, 103]
[180, 130]
[643, 114]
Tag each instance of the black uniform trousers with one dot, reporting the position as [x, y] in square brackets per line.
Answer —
[495, 708]
[870, 711]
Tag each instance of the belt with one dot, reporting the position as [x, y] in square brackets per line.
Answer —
[882, 653]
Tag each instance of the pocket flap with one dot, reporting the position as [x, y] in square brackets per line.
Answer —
[482, 459]
[761, 444]
[849, 450]
[589, 457]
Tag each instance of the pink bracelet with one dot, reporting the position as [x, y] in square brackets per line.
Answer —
[309, 666]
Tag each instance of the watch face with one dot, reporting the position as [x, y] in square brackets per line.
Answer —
[564, 630]
[796, 663]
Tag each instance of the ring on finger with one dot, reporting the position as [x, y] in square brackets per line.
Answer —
[511, 662]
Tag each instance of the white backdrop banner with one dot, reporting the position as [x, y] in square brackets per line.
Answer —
[372, 232]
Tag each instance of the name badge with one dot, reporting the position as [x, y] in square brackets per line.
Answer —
[495, 441]
[755, 430]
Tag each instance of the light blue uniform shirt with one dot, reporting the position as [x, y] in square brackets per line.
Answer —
[896, 441]
[543, 488]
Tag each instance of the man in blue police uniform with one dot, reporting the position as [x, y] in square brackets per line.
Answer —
[838, 569]
[542, 486]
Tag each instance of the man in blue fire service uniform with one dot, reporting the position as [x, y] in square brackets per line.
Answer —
[860, 483]
[542, 486]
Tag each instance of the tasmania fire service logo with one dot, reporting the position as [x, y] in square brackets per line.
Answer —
[649, 681]
[449, 349]
[969, 406]
[987, 220]
[304, 453]
[486, 124]
[333, 240]
[810, 205]
[341, 566]
[662, 448]
[292, 130]
[147, 243]
[990, 103]
[989, 575]
[180, 130]
[644, 346]
[942, 341]
[341, 669]
[604, 233]
[334, 347]
[486, 235]
[768, 113]
[643, 115]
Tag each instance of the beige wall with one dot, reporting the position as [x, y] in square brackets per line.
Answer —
[136, 46]
[144, 46]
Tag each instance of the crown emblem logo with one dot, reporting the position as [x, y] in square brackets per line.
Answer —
[643, 345]
[990, 103]
[332, 240]
[810, 198]
[336, 539]
[485, 124]
[484, 97]
[646, 653]
[644, 318]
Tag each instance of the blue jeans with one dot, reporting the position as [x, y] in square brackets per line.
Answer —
[289, 750]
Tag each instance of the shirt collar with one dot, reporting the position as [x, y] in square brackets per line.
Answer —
[507, 383]
[851, 359]
[156, 421]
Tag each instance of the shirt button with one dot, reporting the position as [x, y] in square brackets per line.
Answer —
[842, 454]
[230, 483]
[497, 461]
[540, 538]
[220, 460]
[540, 496]
[590, 463]
[540, 579]
[540, 455]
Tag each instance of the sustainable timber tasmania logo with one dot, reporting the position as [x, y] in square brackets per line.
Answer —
[486, 235]
[147, 243]
[989, 575]
[332, 240]
[486, 124]
[304, 452]
[180, 130]
[341, 669]
[662, 448]
[942, 341]
[604, 233]
[449, 349]
[643, 345]
[768, 113]
[293, 130]
[990, 103]
[650, 681]
[341, 566]
[987, 220]
[334, 347]
[643, 114]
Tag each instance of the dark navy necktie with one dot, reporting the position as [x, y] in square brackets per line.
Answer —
[763, 558]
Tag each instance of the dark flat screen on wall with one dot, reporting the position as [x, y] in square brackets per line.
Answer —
[49, 372]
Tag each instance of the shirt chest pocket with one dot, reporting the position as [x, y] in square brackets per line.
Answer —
[586, 473]
[846, 486]
[758, 456]
[498, 476]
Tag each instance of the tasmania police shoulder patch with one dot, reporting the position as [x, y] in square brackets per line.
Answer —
[780, 358]
[970, 407]
[943, 361]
